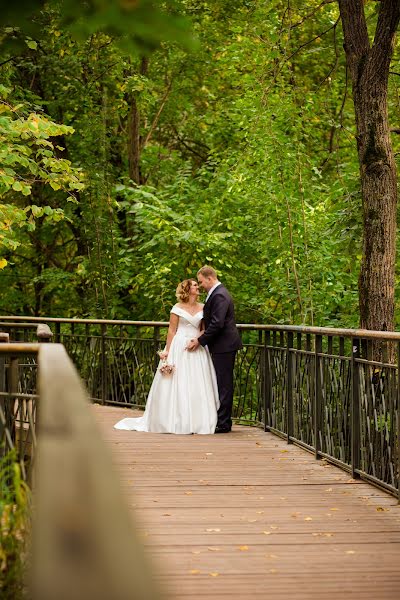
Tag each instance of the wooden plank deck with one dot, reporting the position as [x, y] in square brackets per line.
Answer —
[245, 516]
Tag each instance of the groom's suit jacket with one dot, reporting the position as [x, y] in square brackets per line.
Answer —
[220, 334]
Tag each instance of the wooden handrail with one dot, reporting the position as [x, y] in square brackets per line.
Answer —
[329, 331]
[85, 544]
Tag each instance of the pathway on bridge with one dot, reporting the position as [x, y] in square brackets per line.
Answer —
[244, 516]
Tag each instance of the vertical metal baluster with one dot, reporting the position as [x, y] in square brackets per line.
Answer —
[267, 392]
[103, 364]
[289, 386]
[12, 389]
[355, 409]
[317, 394]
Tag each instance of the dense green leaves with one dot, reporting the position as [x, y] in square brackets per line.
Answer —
[246, 152]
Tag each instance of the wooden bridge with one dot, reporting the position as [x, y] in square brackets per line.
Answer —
[245, 515]
[241, 515]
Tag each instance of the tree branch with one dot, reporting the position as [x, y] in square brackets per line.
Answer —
[158, 114]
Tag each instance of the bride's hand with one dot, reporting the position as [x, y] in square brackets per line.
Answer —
[192, 345]
[163, 355]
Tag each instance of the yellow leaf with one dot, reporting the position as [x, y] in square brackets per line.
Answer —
[215, 574]
[378, 508]
[333, 509]
[329, 490]
[350, 551]
[194, 571]
[243, 548]
[213, 549]
[308, 519]
[3, 263]
[266, 532]
[188, 493]
[211, 529]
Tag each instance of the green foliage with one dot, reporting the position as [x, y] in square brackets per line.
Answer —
[246, 151]
[15, 527]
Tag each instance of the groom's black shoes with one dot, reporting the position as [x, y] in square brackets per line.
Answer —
[222, 430]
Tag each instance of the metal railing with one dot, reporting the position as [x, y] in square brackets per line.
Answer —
[321, 388]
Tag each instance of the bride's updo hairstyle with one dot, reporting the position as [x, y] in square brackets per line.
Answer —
[183, 290]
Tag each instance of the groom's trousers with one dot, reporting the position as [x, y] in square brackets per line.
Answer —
[223, 364]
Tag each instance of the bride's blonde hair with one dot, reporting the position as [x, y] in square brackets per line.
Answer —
[183, 290]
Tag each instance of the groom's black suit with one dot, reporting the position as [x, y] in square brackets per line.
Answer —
[223, 340]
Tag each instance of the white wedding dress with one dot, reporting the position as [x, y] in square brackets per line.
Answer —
[187, 400]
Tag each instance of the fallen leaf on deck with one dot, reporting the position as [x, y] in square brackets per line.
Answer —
[351, 481]
[196, 551]
[329, 490]
[211, 529]
[188, 493]
[267, 532]
[194, 571]
[273, 570]
[381, 509]
[334, 509]
[166, 515]
[308, 519]
[252, 520]
[271, 556]
[215, 574]
[274, 526]
[243, 548]
[209, 453]
[213, 549]
[350, 551]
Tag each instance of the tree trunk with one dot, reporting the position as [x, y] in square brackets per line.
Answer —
[134, 141]
[369, 69]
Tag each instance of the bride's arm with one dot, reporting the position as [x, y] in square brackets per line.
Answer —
[173, 326]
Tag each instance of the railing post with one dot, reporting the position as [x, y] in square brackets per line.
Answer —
[43, 333]
[317, 394]
[355, 409]
[103, 364]
[397, 419]
[156, 339]
[267, 381]
[58, 333]
[289, 386]
[4, 338]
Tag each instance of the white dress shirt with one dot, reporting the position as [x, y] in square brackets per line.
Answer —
[212, 289]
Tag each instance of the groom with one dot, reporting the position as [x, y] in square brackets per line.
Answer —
[223, 340]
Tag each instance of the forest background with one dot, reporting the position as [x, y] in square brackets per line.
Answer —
[217, 132]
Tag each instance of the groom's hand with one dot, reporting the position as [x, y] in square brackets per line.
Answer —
[193, 345]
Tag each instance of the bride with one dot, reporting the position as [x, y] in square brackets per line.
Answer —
[183, 397]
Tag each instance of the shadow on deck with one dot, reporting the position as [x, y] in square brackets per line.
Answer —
[245, 515]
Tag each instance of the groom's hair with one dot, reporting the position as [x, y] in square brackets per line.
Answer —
[207, 271]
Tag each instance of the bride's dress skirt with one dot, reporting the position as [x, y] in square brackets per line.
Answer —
[185, 401]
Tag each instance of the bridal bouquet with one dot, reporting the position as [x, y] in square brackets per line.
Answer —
[165, 368]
